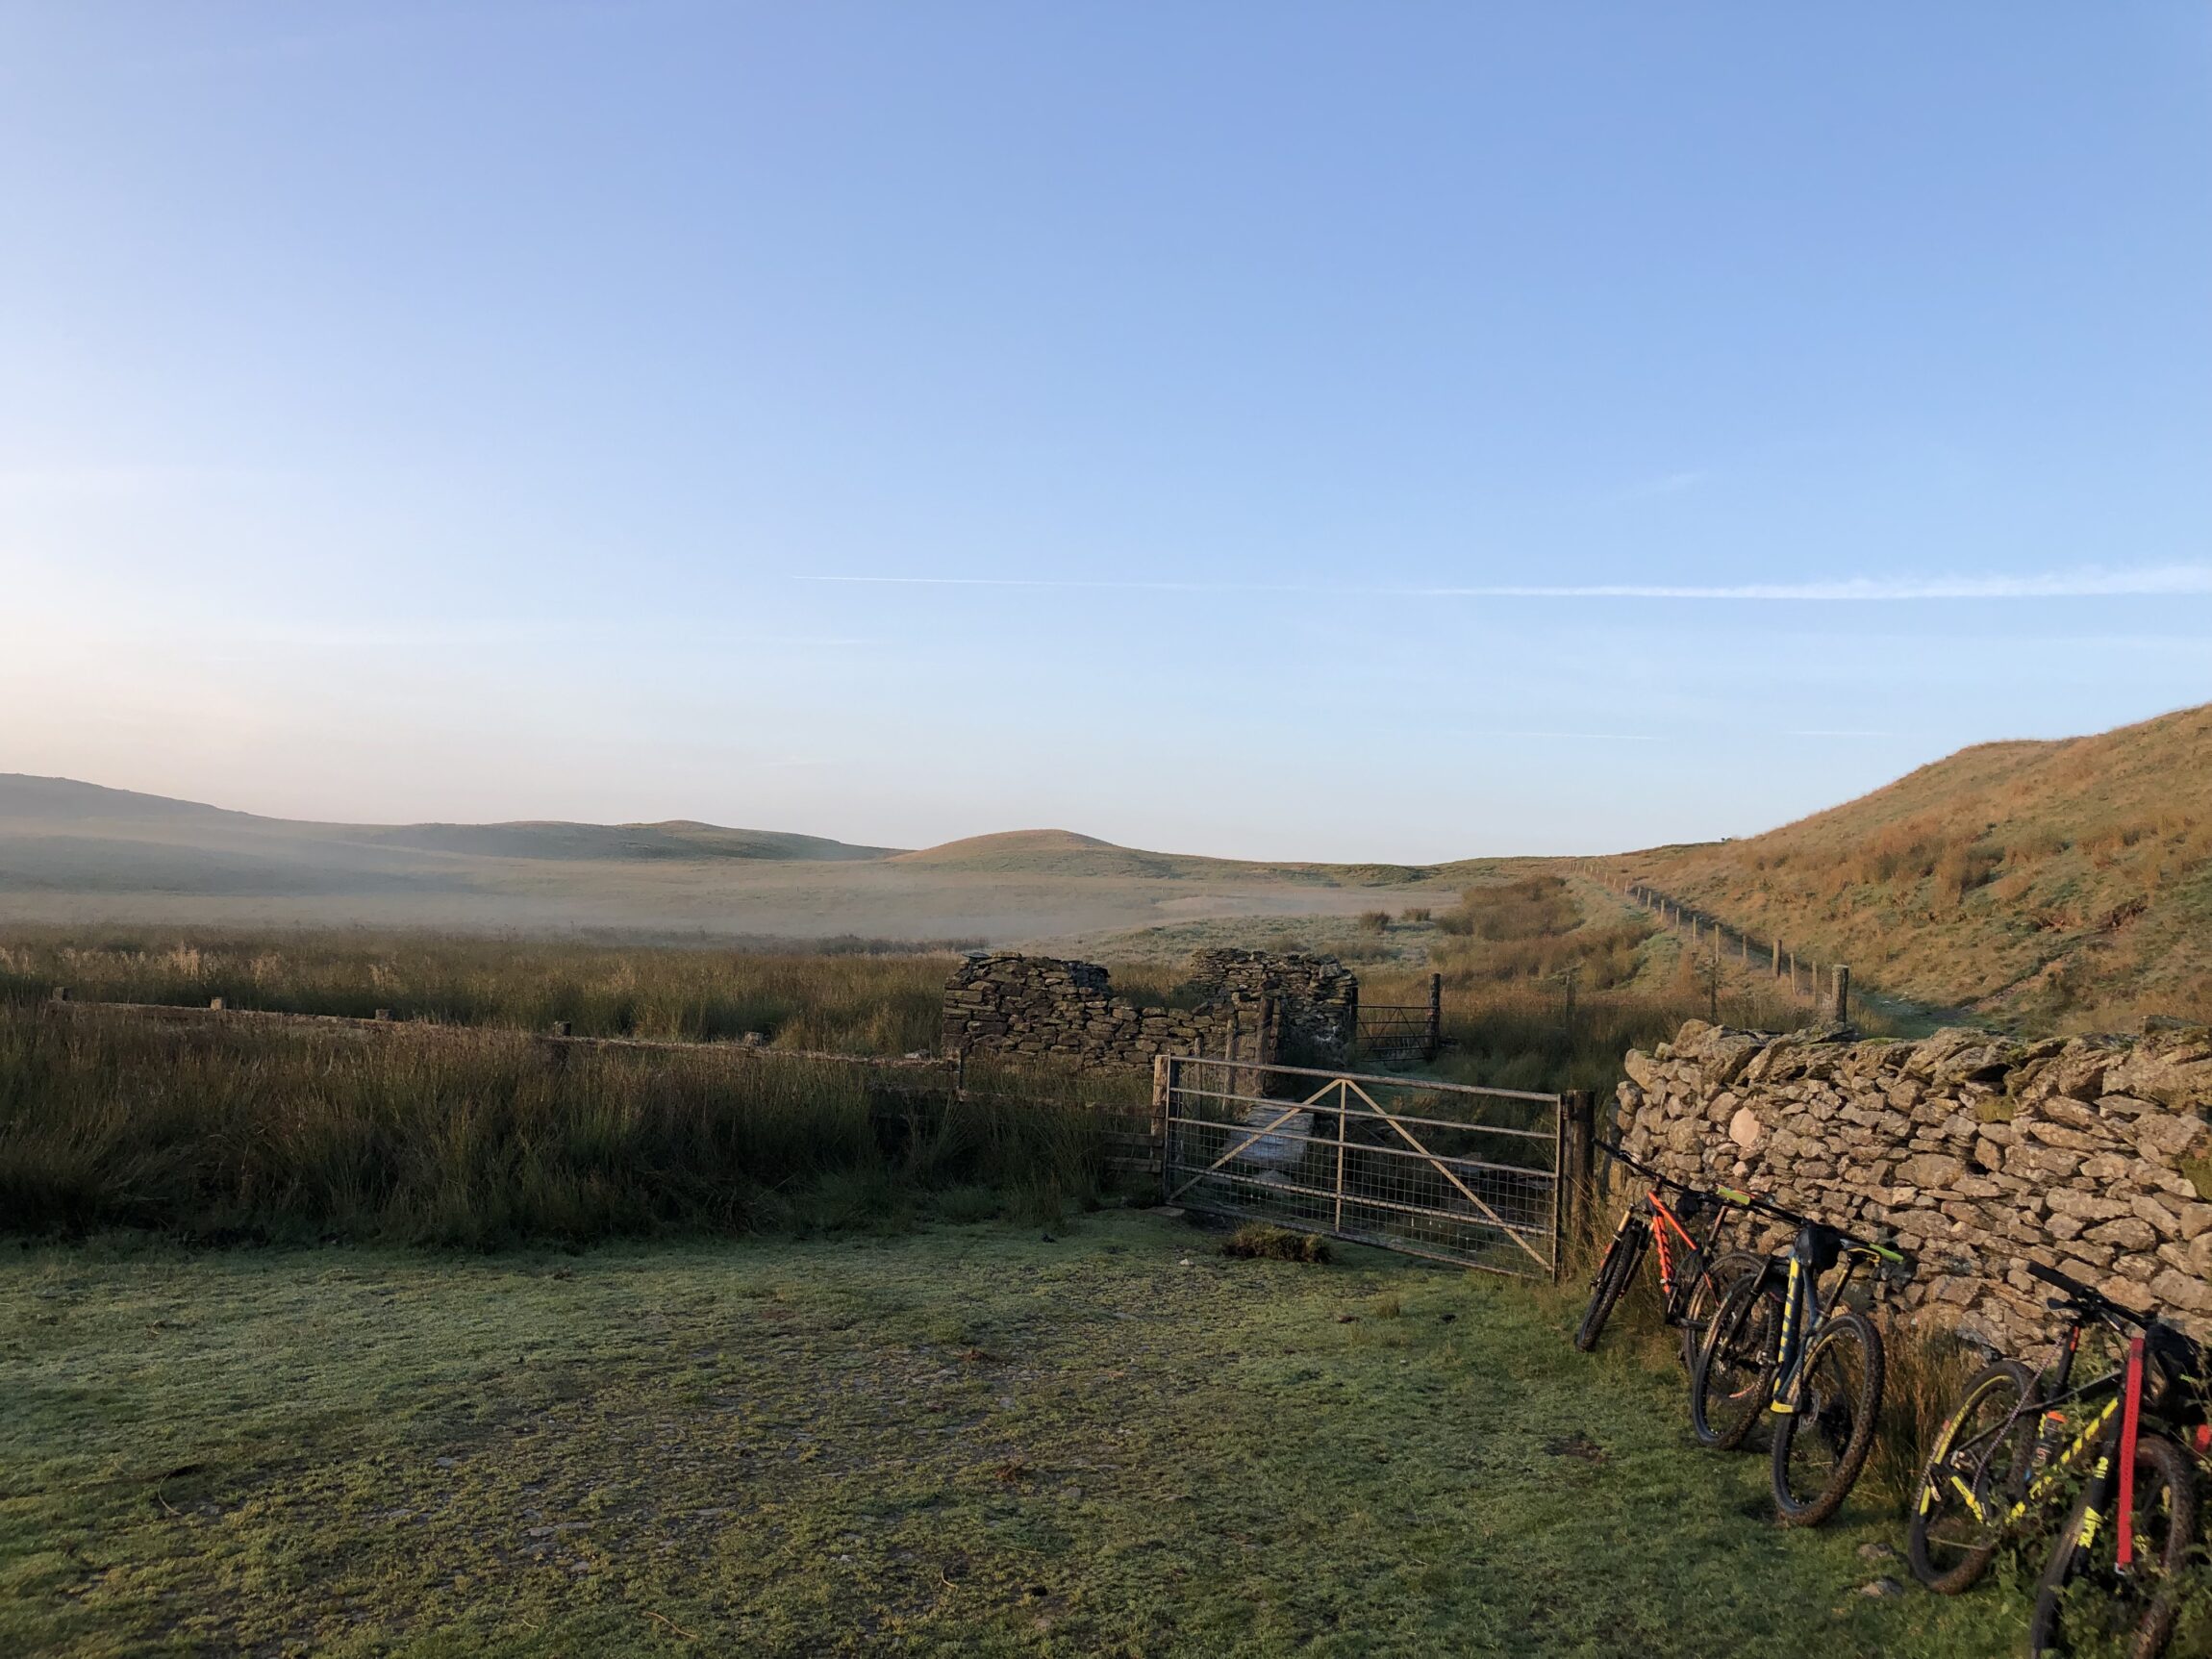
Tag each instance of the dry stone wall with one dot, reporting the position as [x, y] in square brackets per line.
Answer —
[1316, 997]
[1260, 1008]
[2090, 1154]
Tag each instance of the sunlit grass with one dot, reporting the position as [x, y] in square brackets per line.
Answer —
[967, 1441]
[488, 1138]
[850, 1001]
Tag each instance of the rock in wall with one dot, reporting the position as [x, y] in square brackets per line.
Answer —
[2091, 1154]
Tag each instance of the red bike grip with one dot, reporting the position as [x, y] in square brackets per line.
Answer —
[2123, 1545]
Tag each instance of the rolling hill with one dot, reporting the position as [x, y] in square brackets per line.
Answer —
[73, 852]
[2064, 883]
[60, 834]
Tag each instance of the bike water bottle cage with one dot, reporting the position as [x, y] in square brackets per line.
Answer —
[1818, 1247]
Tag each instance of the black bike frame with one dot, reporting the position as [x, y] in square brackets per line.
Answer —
[1802, 1320]
[2113, 1430]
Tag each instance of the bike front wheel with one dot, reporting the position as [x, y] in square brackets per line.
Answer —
[1622, 1257]
[1709, 1286]
[1820, 1445]
[2084, 1603]
[1978, 1471]
[1732, 1380]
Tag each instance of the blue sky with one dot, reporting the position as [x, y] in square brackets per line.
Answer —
[1329, 431]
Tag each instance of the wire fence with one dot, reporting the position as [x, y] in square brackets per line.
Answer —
[1826, 985]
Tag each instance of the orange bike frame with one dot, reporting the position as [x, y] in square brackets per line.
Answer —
[1662, 1218]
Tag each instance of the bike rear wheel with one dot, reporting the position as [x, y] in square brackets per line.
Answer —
[1709, 1284]
[2085, 1602]
[1820, 1446]
[1976, 1473]
[1622, 1257]
[1730, 1384]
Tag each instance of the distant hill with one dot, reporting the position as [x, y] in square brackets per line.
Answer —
[679, 837]
[2067, 882]
[58, 834]
[1052, 852]
[24, 799]
[76, 854]
[1057, 853]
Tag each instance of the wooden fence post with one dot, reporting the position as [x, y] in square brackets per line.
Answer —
[1574, 1186]
[1843, 993]
[1435, 1042]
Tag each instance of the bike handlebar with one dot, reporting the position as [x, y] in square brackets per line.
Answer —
[1768, 1207]
[1749, 1201]
[2084, 1298]
[1612, 1149]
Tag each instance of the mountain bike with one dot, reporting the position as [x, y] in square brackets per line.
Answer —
[2012, 1448]
[1779, 1348]
[1692, 1285]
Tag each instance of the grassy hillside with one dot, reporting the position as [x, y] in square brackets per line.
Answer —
[2064, 884]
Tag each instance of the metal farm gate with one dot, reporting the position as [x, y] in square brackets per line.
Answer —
[1441, 1169]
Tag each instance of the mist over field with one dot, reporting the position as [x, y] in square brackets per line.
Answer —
[75, 852]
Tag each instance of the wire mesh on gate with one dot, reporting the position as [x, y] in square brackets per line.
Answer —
[1397, 1033]
[1443, 1169]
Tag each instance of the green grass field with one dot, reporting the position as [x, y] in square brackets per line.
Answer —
[965, 1440]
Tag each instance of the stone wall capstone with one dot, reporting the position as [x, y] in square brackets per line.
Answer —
[1044, 1007]
[2090, 1154]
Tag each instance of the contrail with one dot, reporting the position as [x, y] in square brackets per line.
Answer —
[2090, 583]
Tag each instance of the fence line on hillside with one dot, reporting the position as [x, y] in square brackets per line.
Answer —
[1824, 985]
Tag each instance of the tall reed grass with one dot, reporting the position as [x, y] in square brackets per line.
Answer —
[1537, 1036]
[855, 1002]
[483, 1138]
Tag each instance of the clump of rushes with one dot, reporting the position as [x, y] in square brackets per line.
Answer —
[479, 1138]
[1257, 1241]
[852, 1002]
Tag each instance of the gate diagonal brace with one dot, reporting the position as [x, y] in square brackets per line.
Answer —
[1466, 1191]
[1257, 1135]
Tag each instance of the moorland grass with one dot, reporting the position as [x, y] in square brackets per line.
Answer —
[846, 1001]
[967, 1441]
[488, 1138]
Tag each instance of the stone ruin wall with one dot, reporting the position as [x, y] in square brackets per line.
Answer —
[1316, 997]
[1039, 1008]
[2090, 1154]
